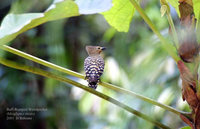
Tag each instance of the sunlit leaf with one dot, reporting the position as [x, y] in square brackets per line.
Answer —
[196, 6]
[186, 127]
[62, 9]
[15, 24]
[120, 15]
[12, 23]
[93, 6]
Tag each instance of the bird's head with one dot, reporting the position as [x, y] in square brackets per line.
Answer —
[94, 50]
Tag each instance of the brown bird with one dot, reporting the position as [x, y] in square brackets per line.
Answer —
[94, 65]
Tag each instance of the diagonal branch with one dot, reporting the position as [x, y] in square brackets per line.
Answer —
[78, 75]
[69, 81]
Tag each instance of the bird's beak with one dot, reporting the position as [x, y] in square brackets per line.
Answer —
[103, 48]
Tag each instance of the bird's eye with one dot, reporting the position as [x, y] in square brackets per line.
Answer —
[99, 48]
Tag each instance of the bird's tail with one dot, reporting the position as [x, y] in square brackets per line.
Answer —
[92, 82]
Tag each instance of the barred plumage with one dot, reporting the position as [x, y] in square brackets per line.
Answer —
[93, 65]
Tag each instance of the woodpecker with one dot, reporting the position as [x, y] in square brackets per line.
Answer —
[94, 65]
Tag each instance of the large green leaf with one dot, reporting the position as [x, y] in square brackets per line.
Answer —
[120, 15]
[15, 24]
[93, 6]
[196, 6]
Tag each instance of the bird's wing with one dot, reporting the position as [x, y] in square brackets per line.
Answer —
[101, 64]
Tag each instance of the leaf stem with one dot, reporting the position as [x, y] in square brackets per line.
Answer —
[69, 81]
[166, 107]
[171, 23]
[78, 75]
[196, 70]
[165, 43]
[174, 33]
[40, 61]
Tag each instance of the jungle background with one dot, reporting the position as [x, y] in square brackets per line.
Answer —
[134, 60]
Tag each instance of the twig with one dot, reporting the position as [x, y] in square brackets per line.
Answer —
[78, 75]
[69, 81]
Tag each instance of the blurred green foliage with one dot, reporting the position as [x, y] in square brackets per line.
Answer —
[134, 60]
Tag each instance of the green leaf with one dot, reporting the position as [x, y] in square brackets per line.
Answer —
[93, 6]
[15, 24]
[120, 15]
[196, 6]
[186, 127]
[64, 9]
